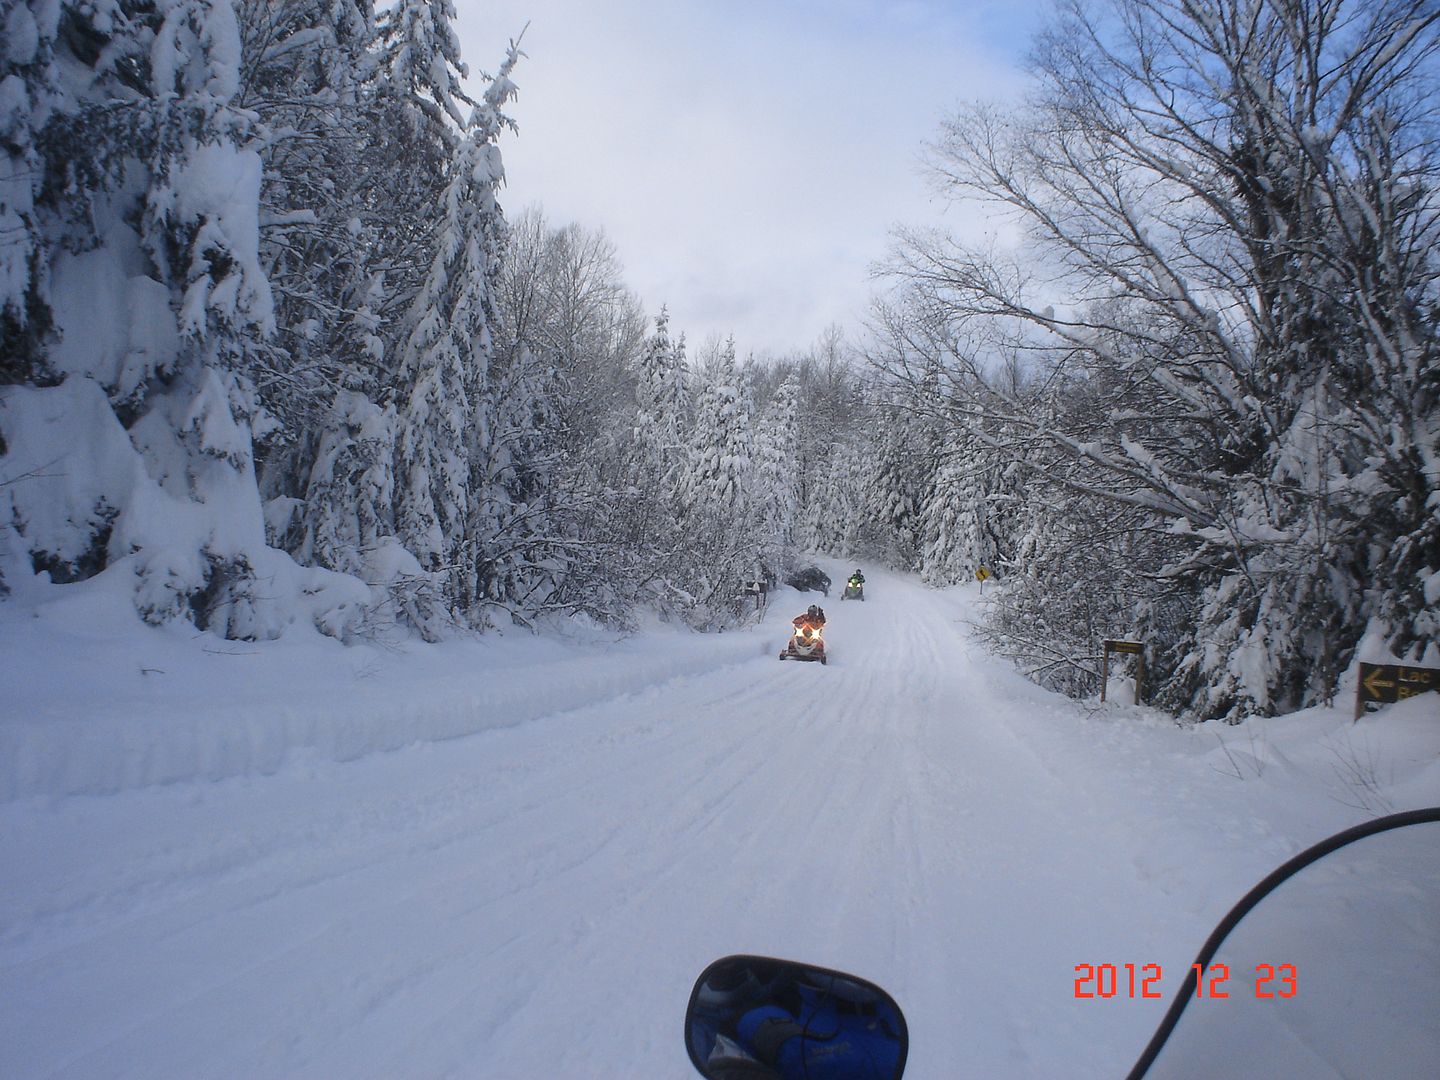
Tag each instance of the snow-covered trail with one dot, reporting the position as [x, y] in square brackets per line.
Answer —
[535, 901]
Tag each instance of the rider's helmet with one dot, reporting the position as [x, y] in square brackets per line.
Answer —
[857, 571]
[813, 611]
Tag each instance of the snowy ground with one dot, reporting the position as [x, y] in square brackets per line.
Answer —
[212, 870]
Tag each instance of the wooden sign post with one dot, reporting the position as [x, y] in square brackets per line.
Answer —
[1124, 648]
[1384, 684]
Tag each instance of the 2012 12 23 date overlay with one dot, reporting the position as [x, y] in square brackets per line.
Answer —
[1215, 981]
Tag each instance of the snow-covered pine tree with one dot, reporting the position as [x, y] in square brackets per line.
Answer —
[830, 427]
[30, 89]
[832, 520]
[1390, 389]
[325, 469]
[408, 141]
[660, 401]
[967, 507]
[348, 513]
[714, 491]
[305, 75]
[680, 391]
[621, 482]
[358, 158]
[658, 438]
[449, 507]
[199, 228]
[420, 54]
[904, 456]
[967, 516]
[143, 246]
[776, 501]
[717, 480]
[525, 542]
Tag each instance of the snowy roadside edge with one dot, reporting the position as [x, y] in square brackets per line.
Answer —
[124, 746]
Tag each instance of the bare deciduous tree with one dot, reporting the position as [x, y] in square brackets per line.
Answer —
[1224, 316]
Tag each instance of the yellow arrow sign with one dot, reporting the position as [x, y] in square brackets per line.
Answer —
[1374, 682]
[1392, 682]
[982, 574]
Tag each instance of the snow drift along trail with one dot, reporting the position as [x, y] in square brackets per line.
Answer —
[535, 900]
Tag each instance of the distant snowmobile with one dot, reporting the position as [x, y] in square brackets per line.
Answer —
[855, 587]
[807, 642]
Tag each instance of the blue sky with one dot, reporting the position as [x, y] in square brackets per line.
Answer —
[747, 158]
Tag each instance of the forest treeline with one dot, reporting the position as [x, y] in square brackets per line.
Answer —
[272, 351]
[1200, 403]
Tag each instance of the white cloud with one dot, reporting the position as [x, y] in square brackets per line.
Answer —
[747, 158]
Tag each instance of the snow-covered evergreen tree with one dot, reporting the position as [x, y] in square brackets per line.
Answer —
[716, 483]
[151, 302]
[654, 441]
[449, 507]
[966, 518]
[308, 78]
[30, 89]
[776, 500]
[660, 438]
[420, 55]
[834, 517]
[714, 491]
[904, 457]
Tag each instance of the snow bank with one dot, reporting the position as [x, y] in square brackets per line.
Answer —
[96, 702]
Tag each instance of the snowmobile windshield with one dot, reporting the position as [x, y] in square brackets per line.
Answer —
[1330, 975]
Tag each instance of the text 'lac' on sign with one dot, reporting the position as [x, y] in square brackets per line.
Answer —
[1384, 684]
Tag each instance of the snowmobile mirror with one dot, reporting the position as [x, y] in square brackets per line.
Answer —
[757, 1018]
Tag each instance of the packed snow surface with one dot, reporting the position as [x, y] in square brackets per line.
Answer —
[511, 858]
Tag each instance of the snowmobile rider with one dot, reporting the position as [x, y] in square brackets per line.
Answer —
[814, 616]
[857, 577]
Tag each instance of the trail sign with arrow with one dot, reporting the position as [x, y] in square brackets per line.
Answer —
[1386, 683]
